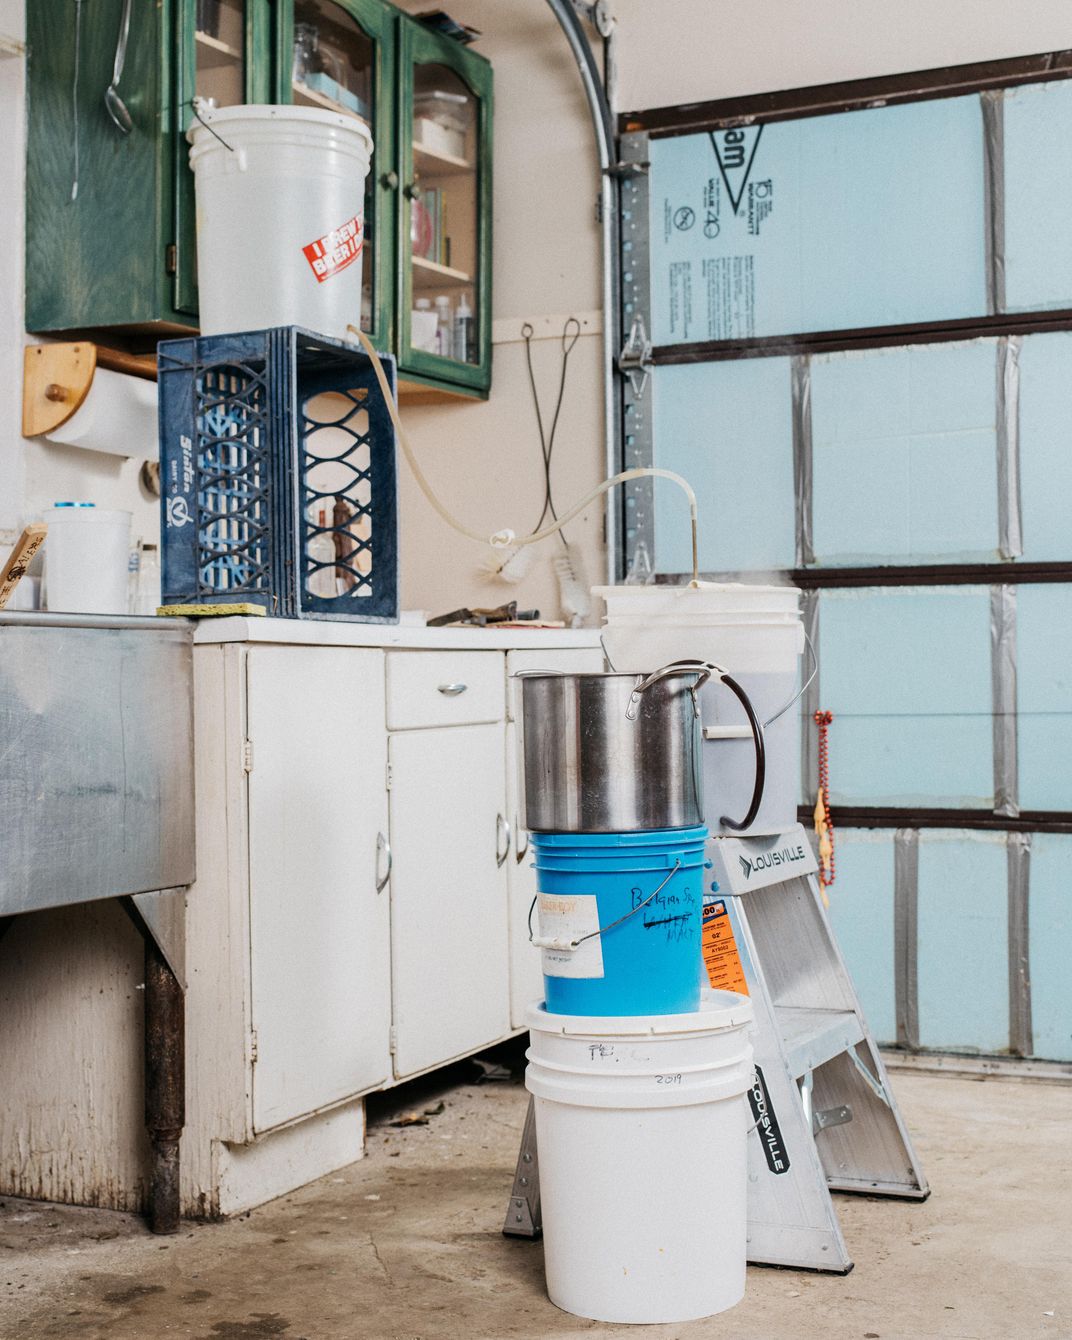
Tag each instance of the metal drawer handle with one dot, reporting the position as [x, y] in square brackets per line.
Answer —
[452, 690]
[502, 850]
[383, 847]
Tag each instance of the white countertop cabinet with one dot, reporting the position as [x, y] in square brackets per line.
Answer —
[360, 913]
[319, 930]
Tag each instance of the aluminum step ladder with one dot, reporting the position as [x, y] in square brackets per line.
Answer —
[825, 1118]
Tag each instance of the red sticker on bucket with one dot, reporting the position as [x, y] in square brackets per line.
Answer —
[336, 250]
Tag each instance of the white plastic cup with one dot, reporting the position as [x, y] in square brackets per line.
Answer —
[280, 217]
[87, 559]
[642, 1129]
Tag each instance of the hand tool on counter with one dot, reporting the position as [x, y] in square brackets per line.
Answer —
[480, 618]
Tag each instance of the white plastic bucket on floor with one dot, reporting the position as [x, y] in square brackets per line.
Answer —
[641, 1125]
[754, 632]
[87, 559]
[280, 217]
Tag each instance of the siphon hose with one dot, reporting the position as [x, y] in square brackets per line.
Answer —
[507, 537]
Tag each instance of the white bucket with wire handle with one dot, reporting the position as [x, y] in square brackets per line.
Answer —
[641, 1126]
[758, 634]
[280, 217]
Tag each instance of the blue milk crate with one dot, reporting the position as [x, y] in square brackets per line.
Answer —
[278, 476]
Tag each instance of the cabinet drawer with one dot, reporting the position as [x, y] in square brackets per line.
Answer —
[444, 688]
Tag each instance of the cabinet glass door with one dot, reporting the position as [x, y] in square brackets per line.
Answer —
[220, 51]
[445, 226]
[224, 59]
[338, 60]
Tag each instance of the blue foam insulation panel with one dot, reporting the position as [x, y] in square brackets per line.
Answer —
[904, 454]
[1044, 695]
[1050, 945]
[1046, 446]
[962, 921]
[906, 672]
[1038, 196]
[862, 218]
[861, 913]
[727, 427]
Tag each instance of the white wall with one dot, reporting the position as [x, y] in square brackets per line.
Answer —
[484, 459]
[677, 51]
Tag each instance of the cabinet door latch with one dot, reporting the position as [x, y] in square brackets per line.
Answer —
[252, 1045]
[171, 259]
[247, 756]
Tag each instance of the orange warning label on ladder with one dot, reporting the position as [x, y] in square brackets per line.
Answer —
[719, 949]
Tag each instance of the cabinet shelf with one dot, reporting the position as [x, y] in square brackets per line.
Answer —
[430, 164]
[213, 53]
[304, 96]
[430, 274]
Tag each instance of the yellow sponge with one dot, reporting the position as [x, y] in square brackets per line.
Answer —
[205, 611]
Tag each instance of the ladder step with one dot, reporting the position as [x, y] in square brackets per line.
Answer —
[813, 1037]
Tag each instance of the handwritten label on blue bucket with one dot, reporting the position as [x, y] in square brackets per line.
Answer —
[770, 1134]
[566, 919]
[672, 912]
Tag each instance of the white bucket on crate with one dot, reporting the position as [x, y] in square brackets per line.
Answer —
[280, 217]
[642, 1126]
[87, 559]
[757, 635]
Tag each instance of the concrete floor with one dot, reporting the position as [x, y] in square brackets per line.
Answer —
[405, 1245]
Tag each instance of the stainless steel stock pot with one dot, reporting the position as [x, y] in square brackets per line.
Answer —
[610, 753]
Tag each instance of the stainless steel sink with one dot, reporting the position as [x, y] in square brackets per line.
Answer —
[96, 758]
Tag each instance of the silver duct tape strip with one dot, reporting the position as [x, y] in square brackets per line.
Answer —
[802, 458]
[1010, 517]
[809, 704]
[1003, 699]
[1021, 1034]
[905, 935]
[993, 106]
[636, 542]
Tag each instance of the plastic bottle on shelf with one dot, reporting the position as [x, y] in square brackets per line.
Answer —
[424, 326]
[321, 581]
[444, 326]
[148, 597]
[463, 331]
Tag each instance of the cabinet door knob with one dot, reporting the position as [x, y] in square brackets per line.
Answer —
[389, 180]
[383, 848]
[502, 849]
[452, 690]
[410, 190]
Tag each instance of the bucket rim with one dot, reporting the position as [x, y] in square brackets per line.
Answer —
[718, 1012]
[708, 587]
[266, 113]
[693, 834]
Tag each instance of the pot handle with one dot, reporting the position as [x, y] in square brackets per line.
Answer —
[757, 737]
[703, 669]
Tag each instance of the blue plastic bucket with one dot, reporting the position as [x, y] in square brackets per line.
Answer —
[609, 946]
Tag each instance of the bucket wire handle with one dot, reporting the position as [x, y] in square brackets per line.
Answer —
[803, 688]
[549, 942]
[757, 738]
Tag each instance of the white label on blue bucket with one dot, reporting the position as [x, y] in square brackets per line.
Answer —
[567, 919]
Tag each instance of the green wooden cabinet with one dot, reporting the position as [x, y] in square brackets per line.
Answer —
[115, 259]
